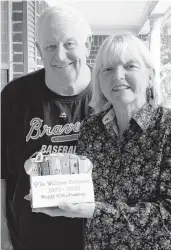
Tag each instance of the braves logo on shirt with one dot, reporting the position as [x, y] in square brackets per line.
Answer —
[59, 133]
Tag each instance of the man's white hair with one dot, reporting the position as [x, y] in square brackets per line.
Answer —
[63, 12]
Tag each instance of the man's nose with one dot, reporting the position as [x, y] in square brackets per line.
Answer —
[60, 53]
[119, 73]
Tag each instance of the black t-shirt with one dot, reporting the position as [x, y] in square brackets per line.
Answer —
[34, 118]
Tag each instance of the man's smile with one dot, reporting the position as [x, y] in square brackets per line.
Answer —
[63, 65]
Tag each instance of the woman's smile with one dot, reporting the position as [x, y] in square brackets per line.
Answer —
[120, 88]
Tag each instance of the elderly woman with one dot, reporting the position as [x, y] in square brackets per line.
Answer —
[128, 140]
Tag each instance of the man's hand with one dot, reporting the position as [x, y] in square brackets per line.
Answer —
[79, 210]
[54, 212]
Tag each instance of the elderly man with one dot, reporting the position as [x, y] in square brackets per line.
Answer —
[42, 111]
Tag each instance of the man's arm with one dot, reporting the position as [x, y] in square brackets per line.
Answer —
[6, 113]
[5, 237]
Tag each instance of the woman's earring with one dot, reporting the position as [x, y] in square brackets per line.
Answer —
[149, 94]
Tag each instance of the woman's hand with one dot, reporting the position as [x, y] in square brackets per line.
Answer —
[85, 209]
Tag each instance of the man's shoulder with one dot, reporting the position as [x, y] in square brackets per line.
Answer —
[25, 82]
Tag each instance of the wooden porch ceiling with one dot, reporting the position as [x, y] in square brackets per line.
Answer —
[110, 16]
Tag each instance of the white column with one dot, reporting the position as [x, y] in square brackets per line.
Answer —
[10, 49]
[155, 26]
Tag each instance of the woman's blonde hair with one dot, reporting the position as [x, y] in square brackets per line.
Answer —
[115, 49]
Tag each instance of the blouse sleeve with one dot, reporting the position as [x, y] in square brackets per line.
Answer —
[85, 138]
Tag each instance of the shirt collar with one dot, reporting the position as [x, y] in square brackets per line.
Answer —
[109, 116]
[142, 117]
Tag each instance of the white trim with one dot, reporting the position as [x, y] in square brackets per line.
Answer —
[4, 65]
[10, 43]
[25, 37]
[107, 31]
[17, 53]
[166, 17]
[17, 42]
[17, 32]
[161, 8]
[17, 11]
[18, 63]
[151, 5]
[155, 43]
[35, 58]
[16, 22]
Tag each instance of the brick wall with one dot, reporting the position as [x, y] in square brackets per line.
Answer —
[96, 43]
[98, 40]
[17, 38]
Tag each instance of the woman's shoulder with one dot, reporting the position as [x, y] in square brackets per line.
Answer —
[164, 116]
[94, 118]
[165, 112]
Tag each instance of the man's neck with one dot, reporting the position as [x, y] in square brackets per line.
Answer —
[73, 89]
